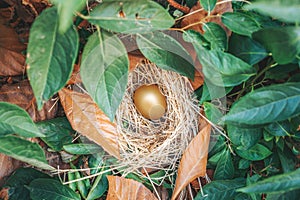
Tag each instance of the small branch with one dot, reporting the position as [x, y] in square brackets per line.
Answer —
[178, 6]
[201, 9]
[256, 77]
[200, 22]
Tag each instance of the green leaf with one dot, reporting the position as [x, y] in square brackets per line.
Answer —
[263, 20]
[80, 184]
[282, 42]
[244, 164]
[194, 36]
[104, 71]
[275, 184]
[212, 112]
[287, 159]
[57, 131]
[71, 177]
[243, 138]
[50, 56]
[267, 136]
[217, 144]
[280, 143]
[131, 16]
[100, 186]
[82, 149]
[223, 189]
[17, 181]
[208, 5]
[281, 72]
[225, 168]
[250, 180]
[246, 49]
[50, 189]
[278, 128]
[294, 194]
[240, 23]
[66, 10]
[265, 105]
[14, 119]
[257, 152]
[223, 69]
[166, 53]
[287, 11]
[242, 196]
[294, 124]
[25, 151]
[213, 160]
[96, 161]
[216, 35]
[211, 91]
[220, 68]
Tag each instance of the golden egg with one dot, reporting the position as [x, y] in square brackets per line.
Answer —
[150, 102]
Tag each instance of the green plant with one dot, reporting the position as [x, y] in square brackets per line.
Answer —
[255, 69]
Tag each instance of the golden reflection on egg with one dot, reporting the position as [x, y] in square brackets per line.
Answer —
[150, 102]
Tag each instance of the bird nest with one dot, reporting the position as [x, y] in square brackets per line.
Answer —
[157, 144]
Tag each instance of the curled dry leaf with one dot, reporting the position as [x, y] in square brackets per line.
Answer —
[193, 161]
[87, 118]
[21, 94]
[134, 60]
[4, 194]
[35, 6]
[198, 79]
[201, 16]
[12, 61]
[7, 166]
[127, 189]
[75, 77]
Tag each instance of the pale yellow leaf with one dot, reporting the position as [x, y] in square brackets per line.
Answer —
[87, 118]
[193, 161]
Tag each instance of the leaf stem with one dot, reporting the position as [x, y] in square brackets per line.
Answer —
[82, 16]
[201, 9]
[201, 21]
[255, 79]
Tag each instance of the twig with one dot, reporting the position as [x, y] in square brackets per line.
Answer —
[201, 9]
[176, 5]
[256, 77]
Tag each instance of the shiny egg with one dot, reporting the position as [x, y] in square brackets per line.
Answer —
[150, 102]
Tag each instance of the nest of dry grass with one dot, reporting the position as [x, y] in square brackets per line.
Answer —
[159, 144]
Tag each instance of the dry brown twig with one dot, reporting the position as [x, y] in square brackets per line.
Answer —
[179, 7]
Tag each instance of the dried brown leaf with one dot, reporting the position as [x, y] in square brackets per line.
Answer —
[198, 80]
[127, 189]
[193, 161]
[35, 6]
[221, 7]
[75, 77]
[21, 94]
[7, 166]
[87, 118]
[134, 60]
[11, 59]
[4, 194]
